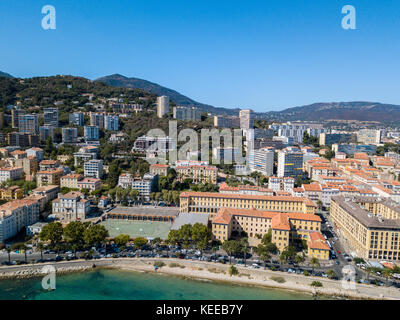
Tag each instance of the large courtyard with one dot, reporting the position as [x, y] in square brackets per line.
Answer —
[147, 229]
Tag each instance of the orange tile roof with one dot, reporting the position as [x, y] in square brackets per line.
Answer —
[280, 221]
[317, 241]
[187, 194]
[361, 156]
[159, 165]
[312, 187]
[224, 215]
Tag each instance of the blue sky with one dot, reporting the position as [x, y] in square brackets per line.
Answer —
[267, 55]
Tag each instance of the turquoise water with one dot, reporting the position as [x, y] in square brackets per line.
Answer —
[127, 285]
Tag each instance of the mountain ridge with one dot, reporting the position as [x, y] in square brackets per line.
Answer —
[118, 80]
[5, 75]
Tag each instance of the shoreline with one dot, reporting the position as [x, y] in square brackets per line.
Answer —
[214, 272]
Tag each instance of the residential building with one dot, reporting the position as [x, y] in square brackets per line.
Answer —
[10, 173]
[226, 121]
[97, 120]
[111, 122]
[296, 130]
[28, 123]
[49, 177]
[245, 189]
[351, 149]
[38, 153]
[281, 183]
[146, 185]
[370, 226]
[91, 133]
[77, 119]
[16, 215]
[46, 132]
[93, 168]
[11, 193]
[85, 154]
[186, 113]
[246, 119]
[162, 106]
[70, 181]
[287, 228]
[48, 164]
[262, 161]
[226, 155]
[15, 113]
[23, 140]
[69, 135]
[159, 169]
[211, 202]
[71, 207]
[327, 139]
[51, 116]
[198, 174]
[369, 136]
[290, 163]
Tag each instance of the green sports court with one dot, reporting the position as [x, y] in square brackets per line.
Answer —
[147, 229]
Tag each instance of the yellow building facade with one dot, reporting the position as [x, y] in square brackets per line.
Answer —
[286, 228]
[211, 202]
[371, 226]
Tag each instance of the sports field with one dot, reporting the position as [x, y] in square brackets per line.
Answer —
[147, 229]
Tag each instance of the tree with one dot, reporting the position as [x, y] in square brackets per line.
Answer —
[52, 232]
[174, 237]
[387, 273]
[331, 274]
[40, 247]
[233, 271]
[229, 247]
[314, 263]
[140, 242]
[8, 249]
[95, 235]
[267, 238]
[299, 259]
[244, 243]
[263, 253]
[121, 240]
[20, 246]
[74, 231]
[200, 234]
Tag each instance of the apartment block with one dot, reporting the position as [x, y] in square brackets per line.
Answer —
[371, 226]
[17, 215]
[198, 174]
[69, 135]
[93, 168]
[287, 228]
[211, 202]
[71, 207]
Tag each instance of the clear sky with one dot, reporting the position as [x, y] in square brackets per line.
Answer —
[267, 55]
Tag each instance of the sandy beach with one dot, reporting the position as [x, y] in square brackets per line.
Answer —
[259, 277]
[213, 272]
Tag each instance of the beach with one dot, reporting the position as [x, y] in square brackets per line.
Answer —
[213, 272]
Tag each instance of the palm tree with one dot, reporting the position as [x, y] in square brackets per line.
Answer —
[8, 249]
[314, 263]
[264, 256]
[386, 273]
[244, 248]
[299, 259]
[368, 271]
[40, 247]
